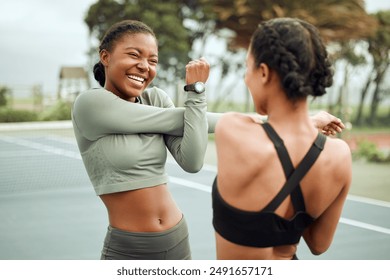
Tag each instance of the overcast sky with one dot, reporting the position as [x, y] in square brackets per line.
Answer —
[40, 36]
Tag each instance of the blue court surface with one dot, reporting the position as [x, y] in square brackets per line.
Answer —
[49, 211]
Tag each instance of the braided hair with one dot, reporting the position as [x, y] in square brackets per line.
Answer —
[293, 48]
[114, 34]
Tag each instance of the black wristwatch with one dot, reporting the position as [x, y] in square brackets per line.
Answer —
[197, 87]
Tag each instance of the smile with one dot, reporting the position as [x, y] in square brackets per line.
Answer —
[136, 78]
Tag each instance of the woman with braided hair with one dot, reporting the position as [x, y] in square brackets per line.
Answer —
[281, 180]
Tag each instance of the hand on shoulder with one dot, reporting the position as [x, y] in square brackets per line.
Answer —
[327, 123]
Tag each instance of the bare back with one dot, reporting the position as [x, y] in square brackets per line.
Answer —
[250, 176]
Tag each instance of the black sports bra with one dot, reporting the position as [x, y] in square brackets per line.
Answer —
[265, 228]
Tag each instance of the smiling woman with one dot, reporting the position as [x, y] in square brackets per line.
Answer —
[123, 130]
[131, 65]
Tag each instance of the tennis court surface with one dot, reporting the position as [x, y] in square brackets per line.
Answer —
[49, 211]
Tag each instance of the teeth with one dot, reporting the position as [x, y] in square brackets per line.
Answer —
[136, 78]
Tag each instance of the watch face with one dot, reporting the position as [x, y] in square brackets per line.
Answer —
[199, 87]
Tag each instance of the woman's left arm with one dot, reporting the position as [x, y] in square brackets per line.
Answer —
[189, 149]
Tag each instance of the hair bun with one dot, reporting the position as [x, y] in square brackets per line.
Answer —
[99, 74]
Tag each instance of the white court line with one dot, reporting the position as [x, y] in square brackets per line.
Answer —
[364, 225]
[190, 184]
[35, 125]
[176, 180]
[41, 147]
[368, 200]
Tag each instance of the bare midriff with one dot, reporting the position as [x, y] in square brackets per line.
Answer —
[231, 251]
[149, 209]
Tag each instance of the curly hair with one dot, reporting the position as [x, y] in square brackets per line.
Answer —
[113, 35]
[294, 49]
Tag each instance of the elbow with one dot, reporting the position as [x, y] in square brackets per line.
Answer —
[193, 167]
[317, 246]
[318, 250]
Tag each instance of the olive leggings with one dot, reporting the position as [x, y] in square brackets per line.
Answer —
[171, 244]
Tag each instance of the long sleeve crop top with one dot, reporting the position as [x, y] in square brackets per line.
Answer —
[123, 144]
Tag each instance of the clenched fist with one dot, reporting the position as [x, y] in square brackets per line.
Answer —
[197, 70]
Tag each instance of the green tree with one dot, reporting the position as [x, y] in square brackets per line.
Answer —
[341, 23]
[346, 52]
[379, 48]
[336, 20]
[4, 93]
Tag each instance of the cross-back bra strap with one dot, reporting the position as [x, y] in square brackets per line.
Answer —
[306, 163]
[284, 157]
[288, 168]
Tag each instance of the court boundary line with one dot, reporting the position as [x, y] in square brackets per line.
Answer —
[368, 200]
[14, 126]
[358, 224]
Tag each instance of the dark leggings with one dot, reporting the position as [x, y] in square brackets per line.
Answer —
[171, 244]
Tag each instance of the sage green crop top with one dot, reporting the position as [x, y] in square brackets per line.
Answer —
[123, 144]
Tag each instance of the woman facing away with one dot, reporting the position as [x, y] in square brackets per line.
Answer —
[123, 131]
[282, 180]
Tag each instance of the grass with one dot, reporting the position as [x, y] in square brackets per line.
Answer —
[371, 180]
[356, 130]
